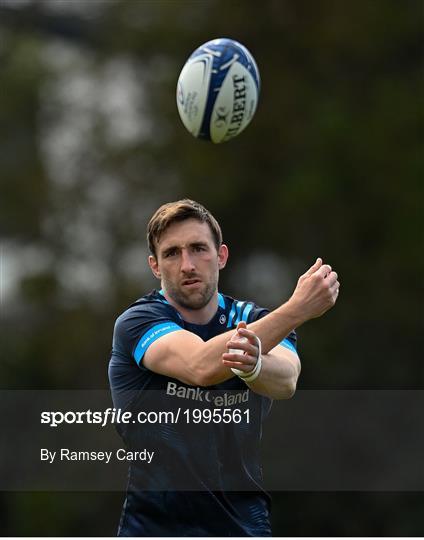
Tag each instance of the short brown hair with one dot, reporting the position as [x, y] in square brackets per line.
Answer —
[180, 211]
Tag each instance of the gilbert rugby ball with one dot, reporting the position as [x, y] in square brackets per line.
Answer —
[218, 90]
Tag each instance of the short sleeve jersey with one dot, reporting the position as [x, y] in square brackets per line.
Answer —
[208, 477]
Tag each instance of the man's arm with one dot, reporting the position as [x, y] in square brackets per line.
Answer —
[186, 357]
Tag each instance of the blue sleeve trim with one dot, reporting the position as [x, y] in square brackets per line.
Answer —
[151, 336]
[288, 345]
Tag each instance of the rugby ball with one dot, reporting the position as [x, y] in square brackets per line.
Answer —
[218, 90]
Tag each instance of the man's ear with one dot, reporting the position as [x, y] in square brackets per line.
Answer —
[222, 256]
[154, 266]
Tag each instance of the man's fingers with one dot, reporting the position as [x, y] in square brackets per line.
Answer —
[245, 346]
[323, 271]
[332, 278]
[313, 268]
[334, 290]
[239, 361]
[335, 286]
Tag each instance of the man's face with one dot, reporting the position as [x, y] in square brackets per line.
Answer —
[188, 263]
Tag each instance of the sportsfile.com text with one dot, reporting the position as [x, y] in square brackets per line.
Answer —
[116, 416]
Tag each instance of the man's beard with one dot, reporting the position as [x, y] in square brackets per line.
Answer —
[192, 300]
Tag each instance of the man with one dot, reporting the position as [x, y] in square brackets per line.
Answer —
[195, 347]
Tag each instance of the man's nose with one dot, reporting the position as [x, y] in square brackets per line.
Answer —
[187, 264]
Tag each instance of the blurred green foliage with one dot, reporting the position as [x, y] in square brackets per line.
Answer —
[331, 166]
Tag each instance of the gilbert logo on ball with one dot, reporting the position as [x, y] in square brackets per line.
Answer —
[218, 90]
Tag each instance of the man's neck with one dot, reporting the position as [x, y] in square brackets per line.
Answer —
[195, 316]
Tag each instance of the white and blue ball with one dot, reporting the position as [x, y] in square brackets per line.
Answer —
[218, 90]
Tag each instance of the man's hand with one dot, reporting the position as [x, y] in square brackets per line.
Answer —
[280, 367]
[245, 342]
[316, 291]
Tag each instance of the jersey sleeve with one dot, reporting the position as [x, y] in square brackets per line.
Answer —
[289, 342]
[140, 326]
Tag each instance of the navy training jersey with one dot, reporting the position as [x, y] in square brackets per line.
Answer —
[206, 476]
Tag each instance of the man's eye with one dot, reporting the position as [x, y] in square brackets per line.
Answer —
[171, 253]
[199, 248]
